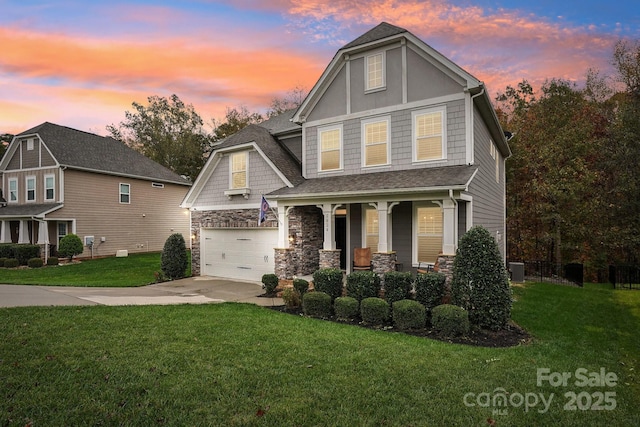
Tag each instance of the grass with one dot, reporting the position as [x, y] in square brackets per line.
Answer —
[242, 365]
[134, 270]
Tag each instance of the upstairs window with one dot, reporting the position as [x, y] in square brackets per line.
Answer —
[49, 187]
[13, 190]
[429, 135]
[493, 150]
[375, 135]
[125, 193]
[375, 71]
[31, 188]
[30, 144]
[330, 141]
[238, 170]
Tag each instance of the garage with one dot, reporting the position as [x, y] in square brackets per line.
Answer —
[244, 254]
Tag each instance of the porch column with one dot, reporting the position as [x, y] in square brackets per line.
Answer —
[383, 227]
[328, 213]
[43, 233]
[449, 227]
[283, 227]
[23, 232]
[3, 232]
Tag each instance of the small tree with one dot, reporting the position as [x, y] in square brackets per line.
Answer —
[70, 245]
[174, 257]
[480, 283]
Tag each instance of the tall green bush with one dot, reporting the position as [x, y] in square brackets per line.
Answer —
[480, 282]
[363, 284]
[328, 280]
[397, 286]
[70, 245]
[174, 261]
[24, 252]
[430, 289]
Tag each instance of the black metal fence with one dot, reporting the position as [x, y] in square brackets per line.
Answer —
[544, 271]
[624, 276]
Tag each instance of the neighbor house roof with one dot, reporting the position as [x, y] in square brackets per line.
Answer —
[454, 177]
[86, 151]
[281, 123]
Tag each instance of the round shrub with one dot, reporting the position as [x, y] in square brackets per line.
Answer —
[270, 282]
[363, 284]
[450, 320]
[173, 261]
[408, 314]
[480, 283]
[2, 260]
[301, 285]
[329, 281]
[374, 311]
[70, 245]
[397, 286]
[11, 263]
[317, 304]
[430, 289]
[35, 263]
[291, 298]
[346, 308]
[24, 252]
[53, 260]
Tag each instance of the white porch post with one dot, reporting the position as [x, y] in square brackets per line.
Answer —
[283, 227]
[3, 232]
[329, 226]
[43, 233]
[23, 232]
[383, 227]
[449, 227]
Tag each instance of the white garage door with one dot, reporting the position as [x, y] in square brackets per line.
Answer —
[244, 254]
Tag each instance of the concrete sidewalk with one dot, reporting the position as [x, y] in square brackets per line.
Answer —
[192, 290]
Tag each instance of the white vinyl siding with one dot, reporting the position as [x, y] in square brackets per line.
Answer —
[429, 134]
[428, 233]
[375, 134]
[330, 142]
[125, 193]
[374, 70]
[49, 187]
[13, 190]
[30, 188]
[238, 167]
[371, 229]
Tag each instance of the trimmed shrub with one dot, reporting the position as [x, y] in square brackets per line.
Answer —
[316, 304]
[70, 245]
[301, 285]
[480, 282]
[329, 281]
[270, 282]
[408, 314]
[397, 286]
[363, 284]
[35, 263]
[374, 311]
[2, 260]
[174, 261]
[6, 250]
[11, 263]
[430, 289]
[291, 298]
[450, 320]
[53, 260]
[346, 308]
[23, 253]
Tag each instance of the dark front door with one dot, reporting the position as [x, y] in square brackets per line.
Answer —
[14, 227]
[341, 239]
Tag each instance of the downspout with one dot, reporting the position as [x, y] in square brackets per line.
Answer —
[455, 227]
[471, 115]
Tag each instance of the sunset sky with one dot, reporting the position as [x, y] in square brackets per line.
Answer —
[82, 63]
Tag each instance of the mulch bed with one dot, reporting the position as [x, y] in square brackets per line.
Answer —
[513, 335]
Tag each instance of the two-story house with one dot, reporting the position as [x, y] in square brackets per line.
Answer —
[396, 148]
[58, 180]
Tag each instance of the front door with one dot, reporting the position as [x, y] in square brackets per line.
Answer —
[341, 239]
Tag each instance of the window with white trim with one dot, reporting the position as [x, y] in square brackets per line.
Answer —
[125, 193]
[238, 166]
[30, 144]
[330, 148]
[374, 70]
[375, 141]
[13, 190]
[49, 187]
[31, 188]
[62, 231]
[371, 227]
[429, 134]
[493, 150]
[428, 233]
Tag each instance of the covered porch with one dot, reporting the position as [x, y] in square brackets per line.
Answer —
[28, 224]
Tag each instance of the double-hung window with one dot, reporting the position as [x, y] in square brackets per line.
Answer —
[428, 233]
[49, 187]
[375, 135]
[374, 70]
[493, 150]
[238, 165]
[125, 193]
[429, 134]
[31, 188]
[13, 190]
[371, 228]
[330, 148]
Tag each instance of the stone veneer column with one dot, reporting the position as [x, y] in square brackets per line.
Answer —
[445, 266]
[284, 263]
[383, 262]
[329, 258]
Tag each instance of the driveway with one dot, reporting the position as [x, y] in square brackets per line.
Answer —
[192, 290]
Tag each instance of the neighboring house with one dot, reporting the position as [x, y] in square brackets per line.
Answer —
[395, 148]
[58, 180]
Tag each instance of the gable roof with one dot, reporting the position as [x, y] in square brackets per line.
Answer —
[76, 149]
[380, 31]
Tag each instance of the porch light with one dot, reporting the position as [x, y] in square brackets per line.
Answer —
[292, 238]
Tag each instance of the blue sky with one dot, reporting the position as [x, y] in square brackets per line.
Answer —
[82, 64]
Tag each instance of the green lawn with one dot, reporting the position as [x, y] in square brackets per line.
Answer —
[239, 365]
[134, 270]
